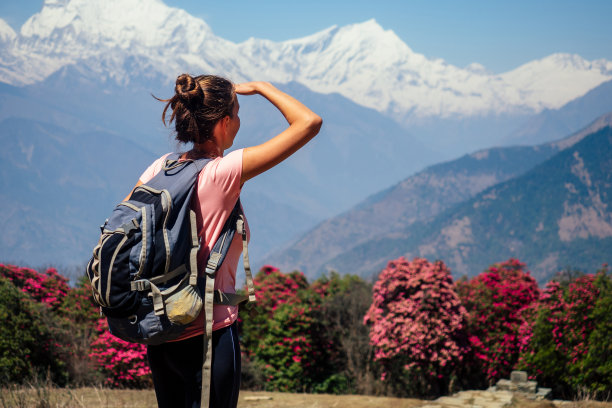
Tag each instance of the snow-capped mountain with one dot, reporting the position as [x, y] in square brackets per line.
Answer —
[7, 34]
[122, 40]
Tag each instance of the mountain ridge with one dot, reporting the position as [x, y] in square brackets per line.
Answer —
[561, 223]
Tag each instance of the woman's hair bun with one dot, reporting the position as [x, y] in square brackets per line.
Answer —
[188, 90]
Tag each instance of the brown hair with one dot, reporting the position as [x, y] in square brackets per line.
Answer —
[197, 105]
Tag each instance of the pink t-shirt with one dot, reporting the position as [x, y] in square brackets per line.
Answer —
[218, 188]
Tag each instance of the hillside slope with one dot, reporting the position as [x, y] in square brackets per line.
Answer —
[56, 187]
[557, 215]
[421, 197]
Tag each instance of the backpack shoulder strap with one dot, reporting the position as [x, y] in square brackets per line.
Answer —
[241, 229]
[235, 223]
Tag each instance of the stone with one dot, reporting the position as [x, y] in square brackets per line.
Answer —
[518, 376]
[543, 393]
[528, 387]
[476, 399]
[505, 385]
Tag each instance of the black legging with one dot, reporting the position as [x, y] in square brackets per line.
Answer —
[177, 370]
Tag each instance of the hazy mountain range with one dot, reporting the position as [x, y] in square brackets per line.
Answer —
[478, 209]
[75, 85]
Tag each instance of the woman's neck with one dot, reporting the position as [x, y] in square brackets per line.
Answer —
[207, 149]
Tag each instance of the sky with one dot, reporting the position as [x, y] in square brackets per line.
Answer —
[499, 34]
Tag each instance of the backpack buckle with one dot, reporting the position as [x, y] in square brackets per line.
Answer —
[213, 263]
[140, 285]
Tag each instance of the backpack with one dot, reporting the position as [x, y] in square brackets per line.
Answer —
[144, 272]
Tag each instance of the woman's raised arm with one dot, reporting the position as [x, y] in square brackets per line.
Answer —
[304, 124]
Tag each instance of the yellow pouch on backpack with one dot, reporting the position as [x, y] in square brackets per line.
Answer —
[183, 306]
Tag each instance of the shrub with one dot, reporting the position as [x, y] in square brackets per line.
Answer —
[68, 316]
[288, 351]
[571, 347]
[284, 336]
[417, 326]
[596, 366]
[500, 304]
[272, 289]
[76, 320]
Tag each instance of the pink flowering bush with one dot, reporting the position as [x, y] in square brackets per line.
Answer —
[274, 288]
[571, 341]
[48, 288]
[417, 326]
[123, 364]
[500, 304]
[77, 346]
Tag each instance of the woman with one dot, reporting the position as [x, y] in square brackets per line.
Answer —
[205, 113]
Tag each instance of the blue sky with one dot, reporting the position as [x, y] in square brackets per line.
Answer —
[501, 35]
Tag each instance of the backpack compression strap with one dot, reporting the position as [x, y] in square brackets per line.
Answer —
[210, 295]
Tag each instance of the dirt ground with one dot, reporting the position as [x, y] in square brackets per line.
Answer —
[278, 400]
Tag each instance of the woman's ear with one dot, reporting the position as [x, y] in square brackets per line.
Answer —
[225, 122]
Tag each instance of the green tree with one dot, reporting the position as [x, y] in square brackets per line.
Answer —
[346, 300]
[25, 339]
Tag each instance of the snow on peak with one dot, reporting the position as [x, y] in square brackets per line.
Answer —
[117, 39]
[122, 23]
[50, 3]
[477, 68]
[371, 35]
[125, 39]
[7, 34]
[552, 81]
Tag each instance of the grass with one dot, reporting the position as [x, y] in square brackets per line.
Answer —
[49, 397]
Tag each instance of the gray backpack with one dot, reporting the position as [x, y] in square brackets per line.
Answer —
[144, 272]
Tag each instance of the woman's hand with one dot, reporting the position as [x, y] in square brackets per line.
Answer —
[247, 88]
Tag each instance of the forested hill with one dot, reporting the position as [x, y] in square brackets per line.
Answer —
[363, 239]
[555, 216]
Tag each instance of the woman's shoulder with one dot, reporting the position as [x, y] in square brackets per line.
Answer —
[225, 171]
[154, 168]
